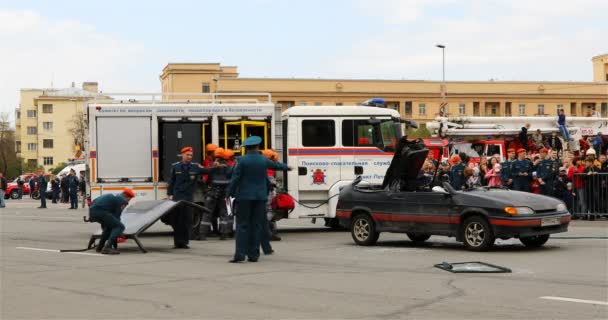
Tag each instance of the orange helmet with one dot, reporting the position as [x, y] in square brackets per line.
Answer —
[128, 192]
[268, 153]
[219, 153]
[455, 159]
[228, 154]
[210, 147]
[275, 156]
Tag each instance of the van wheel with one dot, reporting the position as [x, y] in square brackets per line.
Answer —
[477, 234]
[535, 241]
[363, 230]
[14, 194]
[418, 237]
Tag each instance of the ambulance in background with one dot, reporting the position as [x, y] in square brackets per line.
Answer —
[134, 143]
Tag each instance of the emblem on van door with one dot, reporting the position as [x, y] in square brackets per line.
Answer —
[318, 176]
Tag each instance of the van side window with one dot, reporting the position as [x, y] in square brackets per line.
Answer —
[357, 133]
[318, 133]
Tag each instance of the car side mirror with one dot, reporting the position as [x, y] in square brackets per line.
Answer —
[441, 190]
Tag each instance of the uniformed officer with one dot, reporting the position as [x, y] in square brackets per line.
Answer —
[545, 172]
[106, 210]
[42, 185]
[249, 187]
[505, 172]
[457, 173]
[215, 199]
[521, 171]
[73, 189]
[182, 183]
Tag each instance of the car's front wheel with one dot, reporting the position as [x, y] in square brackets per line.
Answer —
[477, 234]
[363, 230]
[14, 194]
[36, 195]
[418, 237]
[535, 241]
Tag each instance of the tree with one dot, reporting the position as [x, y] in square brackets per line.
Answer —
[77, 129]
[421, 132]
[8, 157]
[58, 168]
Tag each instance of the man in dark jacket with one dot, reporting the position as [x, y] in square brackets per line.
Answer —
[55, 188]
[73, 189]
[3, 187]
[32, 184]
[106, 210]
[554, 142]
[64, 184]
[523, 136]
[42, 185]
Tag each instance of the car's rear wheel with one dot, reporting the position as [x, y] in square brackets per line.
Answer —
[418, 237]
[477, 234]
[535, 241]
[363, 230]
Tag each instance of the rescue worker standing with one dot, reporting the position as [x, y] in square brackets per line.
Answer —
[545, 172]
[521, 172]
[55, 188]
[505, 172]
[106, 210]
[182, 183]
[73, 189]
[457, 173]
[214, 201]
[42, 185]
[249, 187]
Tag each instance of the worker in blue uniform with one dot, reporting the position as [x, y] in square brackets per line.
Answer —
[249, 187]
[42, 185]
[521, 172]
[73, 189]
[457, 173]
[182, 184]
[505, 171]
[545, 172]
[106, 210]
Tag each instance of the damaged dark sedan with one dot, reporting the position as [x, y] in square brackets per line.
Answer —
[407, 203]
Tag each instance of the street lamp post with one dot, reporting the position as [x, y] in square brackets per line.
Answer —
[444, 105]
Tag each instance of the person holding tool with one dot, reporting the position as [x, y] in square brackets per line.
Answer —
[106, 210]
[182, 184]
[249, 187]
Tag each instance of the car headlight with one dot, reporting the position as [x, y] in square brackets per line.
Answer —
[561, 207]
[518, 210]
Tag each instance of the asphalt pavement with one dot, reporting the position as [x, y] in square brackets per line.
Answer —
[316, 273]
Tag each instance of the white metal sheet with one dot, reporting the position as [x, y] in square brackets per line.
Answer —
[124, 147]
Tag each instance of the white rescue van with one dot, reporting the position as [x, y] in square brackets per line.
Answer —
[134, 144]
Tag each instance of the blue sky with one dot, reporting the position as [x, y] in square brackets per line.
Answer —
[125, 44]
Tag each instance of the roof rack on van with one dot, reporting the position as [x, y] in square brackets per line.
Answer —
[181, 97]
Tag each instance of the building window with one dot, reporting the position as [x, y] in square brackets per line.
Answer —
[508, 109]
[48, 161]
[422, 109]
[47, 126]
[206, 87]
[18, 146]
[408, 108]
[32, 162]
[522, 109]
[541, 109]
[47, 143]
[493, 109]
[32, 130]
[318, 104]
[604, 109]
[303, 103]
[339, 103]
[318, 133]
[32, 113]
[18, 114]
[393, 105]
[462, 109]
[32, 146]
[47, 108]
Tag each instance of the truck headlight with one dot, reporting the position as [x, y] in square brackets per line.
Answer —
[561, 207]
[518, 210]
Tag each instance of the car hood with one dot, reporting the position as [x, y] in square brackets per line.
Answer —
[512, 198]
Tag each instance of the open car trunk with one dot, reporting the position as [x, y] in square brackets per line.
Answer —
[405, 166]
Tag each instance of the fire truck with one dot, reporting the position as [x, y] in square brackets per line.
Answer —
[134, 144]
[478, 136]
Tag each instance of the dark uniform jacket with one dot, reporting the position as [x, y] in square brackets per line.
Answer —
[108, 203]
[250, 178]
[183, 180]
[42, 183]
[555, 143]
[505, 172]
[546, 170]
[73, 184]
[521, 166]
[457, 176]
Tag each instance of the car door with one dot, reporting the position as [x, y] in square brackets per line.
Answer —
[422, 212]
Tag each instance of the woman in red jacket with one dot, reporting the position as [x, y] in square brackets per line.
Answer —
[575, 175]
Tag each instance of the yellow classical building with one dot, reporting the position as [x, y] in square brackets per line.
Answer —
[420, 100]
[43, 122]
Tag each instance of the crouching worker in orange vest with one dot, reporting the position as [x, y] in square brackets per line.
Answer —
[106, 210]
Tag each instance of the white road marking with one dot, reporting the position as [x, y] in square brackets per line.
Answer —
[42, 217]
[602, 303]
[57, 251]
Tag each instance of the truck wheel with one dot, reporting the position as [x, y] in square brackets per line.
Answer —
[535, 241]
[418, 237]
[363, 230]
[477, 234]
[14, 194]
